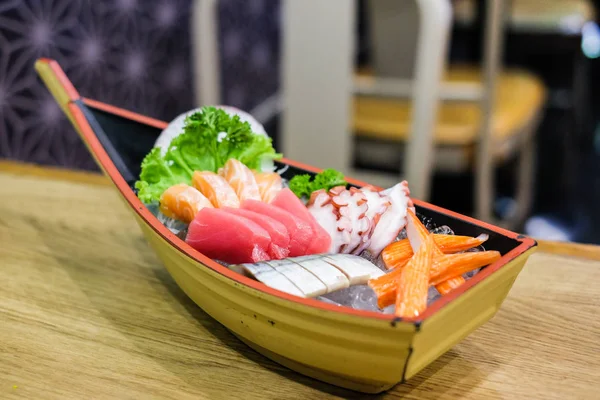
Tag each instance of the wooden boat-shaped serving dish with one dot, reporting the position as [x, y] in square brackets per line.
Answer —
[360, 350]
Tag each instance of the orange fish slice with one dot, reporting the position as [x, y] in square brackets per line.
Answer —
[449, 285]
[413, 284]
[269, 184]
[397, 253]
[182, 202]
[216, 189]
[450, 266]
[241, 179]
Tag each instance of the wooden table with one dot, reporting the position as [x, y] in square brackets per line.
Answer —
[87, 311]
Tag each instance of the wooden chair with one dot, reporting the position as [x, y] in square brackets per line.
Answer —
[466, 136]
[318, 86]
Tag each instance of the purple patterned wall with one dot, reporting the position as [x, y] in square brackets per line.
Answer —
[131, 53]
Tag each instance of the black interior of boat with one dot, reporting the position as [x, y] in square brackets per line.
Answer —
[127, 142]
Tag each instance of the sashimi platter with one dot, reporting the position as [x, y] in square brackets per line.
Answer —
[355, 285]
[211, 179]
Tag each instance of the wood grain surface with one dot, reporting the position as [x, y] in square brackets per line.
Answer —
[87, 311]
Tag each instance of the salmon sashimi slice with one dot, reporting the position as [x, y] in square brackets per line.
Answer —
[269, 184]
[443, 267]
[449, 285]
[299, 230]
[280, 238]
[413, 283]
[183, 202]
[241, 179]
[228, 237]
[216, 189]
[450, 266]
[287, 200]
[397, 253]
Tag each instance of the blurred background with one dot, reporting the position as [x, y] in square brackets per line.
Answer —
[487, 107]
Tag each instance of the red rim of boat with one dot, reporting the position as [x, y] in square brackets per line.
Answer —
[112, 172]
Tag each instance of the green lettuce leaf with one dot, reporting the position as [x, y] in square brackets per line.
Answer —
[210, 138]
[157, 176]
[302, 186]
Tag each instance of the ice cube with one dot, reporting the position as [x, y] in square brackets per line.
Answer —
[402, 235]
[326, 300]
[432, 295]
[442, 230]
[374, 260]
[223, 263]
[428, 222]
[174, 225]
[179, 228]
[470, 274]
[154, 208]
[360, 297]
[389, 309]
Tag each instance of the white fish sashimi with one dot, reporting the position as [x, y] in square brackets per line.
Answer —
[309, 284]
[278, 263]
[332, 277]
[363, 263]
[357, 269]
[311, 276]
[269, 276]
[301, 259]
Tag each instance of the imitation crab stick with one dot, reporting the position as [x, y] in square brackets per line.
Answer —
[449, 285]
[397, 253]
[385, 287]
[416, 232]
[443, 267]
[182, 202]
[411, 296]
[452, 265]
[216, 189]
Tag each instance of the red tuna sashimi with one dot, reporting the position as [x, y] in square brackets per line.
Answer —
[287, 200]
[300, 231]
[227, 237]
[280, 237]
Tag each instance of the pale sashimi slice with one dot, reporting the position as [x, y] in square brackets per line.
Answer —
[216, 189]
[357, 269]
[304, 258]
[269, 276]
[269, 184]
[309, 284]
[331, 276]
[241, 179]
